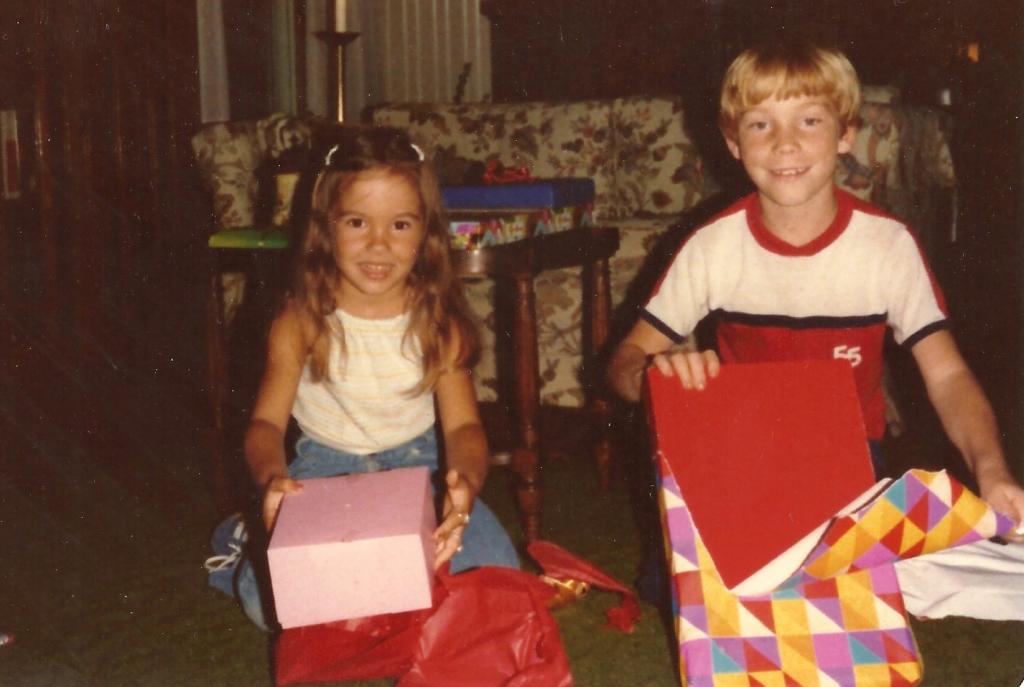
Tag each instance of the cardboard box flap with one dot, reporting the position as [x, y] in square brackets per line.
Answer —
[764, 456]
[349, 508]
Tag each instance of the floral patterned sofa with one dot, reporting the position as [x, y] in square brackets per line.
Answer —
[648, 175]
[646, 168]
[646, 171]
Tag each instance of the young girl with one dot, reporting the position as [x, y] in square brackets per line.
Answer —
[374, 336]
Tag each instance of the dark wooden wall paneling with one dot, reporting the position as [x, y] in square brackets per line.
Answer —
[109, 231]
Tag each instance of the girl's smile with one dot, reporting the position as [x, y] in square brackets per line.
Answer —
[378, 229]
[375, 271]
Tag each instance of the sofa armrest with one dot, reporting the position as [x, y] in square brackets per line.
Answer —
[230, 155]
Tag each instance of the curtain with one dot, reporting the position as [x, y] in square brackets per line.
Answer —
[407, 50]
[416, 50]
[214, 101]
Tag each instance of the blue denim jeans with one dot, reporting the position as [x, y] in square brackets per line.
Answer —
[484, 542]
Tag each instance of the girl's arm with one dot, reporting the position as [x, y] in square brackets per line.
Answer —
[466, 453]
[264, 438]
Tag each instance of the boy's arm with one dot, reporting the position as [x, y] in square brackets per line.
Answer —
[465, 454]
[645, 344]
[968, 420]
[264, 438]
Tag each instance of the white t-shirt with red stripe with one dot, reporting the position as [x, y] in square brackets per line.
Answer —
[831, 298]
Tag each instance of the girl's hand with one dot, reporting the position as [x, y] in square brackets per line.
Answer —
[458, 502]
[274, 494]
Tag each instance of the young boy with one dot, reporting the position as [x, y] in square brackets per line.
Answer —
[801, 270]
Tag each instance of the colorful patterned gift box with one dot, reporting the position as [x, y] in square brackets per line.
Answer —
[493, 214]
[836, 619]
[478, 229]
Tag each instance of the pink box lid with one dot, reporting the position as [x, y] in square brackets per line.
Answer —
[352, 507]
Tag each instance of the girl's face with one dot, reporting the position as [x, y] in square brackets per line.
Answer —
[377, 229]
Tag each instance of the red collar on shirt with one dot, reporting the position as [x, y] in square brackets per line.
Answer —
[773, 243]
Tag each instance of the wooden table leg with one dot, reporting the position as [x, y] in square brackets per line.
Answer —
[597, 300]
[526, 457]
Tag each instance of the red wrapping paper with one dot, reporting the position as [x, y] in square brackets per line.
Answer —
[489, 627]
[494, 628]
[562, 565]
[361, 649]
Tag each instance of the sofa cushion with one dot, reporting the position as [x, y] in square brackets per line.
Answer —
[658, 169]
[461, 130]
[567, 140]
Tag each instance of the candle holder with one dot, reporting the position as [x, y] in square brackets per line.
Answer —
[336, 43]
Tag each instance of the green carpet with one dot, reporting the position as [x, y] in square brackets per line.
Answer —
[102, 540]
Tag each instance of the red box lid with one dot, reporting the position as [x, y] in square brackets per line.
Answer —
[765, 454]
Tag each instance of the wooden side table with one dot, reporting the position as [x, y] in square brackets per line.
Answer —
[517, 264]
[259, 255]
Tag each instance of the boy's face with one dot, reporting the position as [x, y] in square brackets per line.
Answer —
[790, 149]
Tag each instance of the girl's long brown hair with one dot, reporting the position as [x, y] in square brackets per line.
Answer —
[439, 323]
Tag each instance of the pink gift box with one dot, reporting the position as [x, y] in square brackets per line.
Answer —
[353, 546]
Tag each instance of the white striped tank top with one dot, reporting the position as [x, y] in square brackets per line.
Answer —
[364, 407]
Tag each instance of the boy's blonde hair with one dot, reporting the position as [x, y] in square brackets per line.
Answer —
[787, 69]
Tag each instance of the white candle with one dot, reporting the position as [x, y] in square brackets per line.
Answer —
[339, 15]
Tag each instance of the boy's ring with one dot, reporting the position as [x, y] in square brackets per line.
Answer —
[465, 518]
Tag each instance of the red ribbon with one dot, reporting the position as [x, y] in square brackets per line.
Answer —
[497, 173]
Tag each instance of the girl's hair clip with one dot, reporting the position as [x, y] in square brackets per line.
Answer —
[330, 153]
[356, 164]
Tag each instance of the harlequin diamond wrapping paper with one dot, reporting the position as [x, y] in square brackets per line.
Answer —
[839, 619]
[921, 512]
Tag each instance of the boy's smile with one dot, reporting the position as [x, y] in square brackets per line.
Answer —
[378, 231]
[790, 149]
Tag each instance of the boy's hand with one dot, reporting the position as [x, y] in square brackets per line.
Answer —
[273, 495]
[693, 368]
[1006, 496]
[458, 502]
